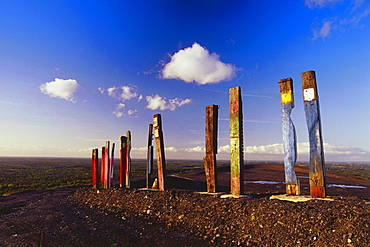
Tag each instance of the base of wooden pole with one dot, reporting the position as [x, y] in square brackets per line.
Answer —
[293, 189]
[318, 192]
[237, 196]
[301, 198]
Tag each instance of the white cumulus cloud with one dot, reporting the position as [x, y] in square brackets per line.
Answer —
[130, 112]
[60, 88]
[118, 112]
[161, 103]
[123, 93]
[196, 64]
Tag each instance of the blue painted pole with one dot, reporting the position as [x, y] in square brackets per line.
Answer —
[289, 136]
[312, 112]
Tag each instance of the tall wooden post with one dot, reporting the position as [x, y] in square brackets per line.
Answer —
[211, 148]
[122, 162]
[106, 166]
[94, 167]
[312, 112]
[128, 159]
[289, 136]
[102, 166]
[236, 142]
[149, 158]
[161, 160]
[111, 166]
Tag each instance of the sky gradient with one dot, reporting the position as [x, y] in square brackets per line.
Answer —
[74, 74]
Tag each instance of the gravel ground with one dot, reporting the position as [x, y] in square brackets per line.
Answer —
[250, 222]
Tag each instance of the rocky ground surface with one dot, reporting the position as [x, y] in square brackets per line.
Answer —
[182, 217]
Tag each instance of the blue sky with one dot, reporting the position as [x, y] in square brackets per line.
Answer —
[74, 74]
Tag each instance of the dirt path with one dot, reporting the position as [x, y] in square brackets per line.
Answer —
[48, 218]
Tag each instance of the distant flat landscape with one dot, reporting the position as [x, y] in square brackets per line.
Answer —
[19, 174]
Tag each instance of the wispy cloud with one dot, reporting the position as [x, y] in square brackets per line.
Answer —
[319, 3]
[161, 103]
[196, 64]
[324, 31]
[60, 88]
[8, 103]
[243, 94]
[356, 11]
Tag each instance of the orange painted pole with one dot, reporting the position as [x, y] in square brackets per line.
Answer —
[211, 148]
[161, 160]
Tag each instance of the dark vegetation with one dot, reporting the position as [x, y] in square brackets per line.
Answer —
[355, 169]
[19, 174]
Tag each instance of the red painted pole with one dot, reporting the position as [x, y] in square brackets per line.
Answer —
[94, 167]
[102, 166]
[122, 162]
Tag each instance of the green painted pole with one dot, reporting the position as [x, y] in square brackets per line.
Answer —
[128, 159]
[236, 142]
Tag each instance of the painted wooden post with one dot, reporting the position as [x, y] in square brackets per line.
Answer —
[312, 112]
[161, 161]
[236, 142]
[111, 167]
[211, 148]
[128, 159]
[106, 165]
[94, 167]
[102, 166]
[122, 162]
[289, 136]
[149, 159]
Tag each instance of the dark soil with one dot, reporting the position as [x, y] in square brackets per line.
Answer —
[182, 217]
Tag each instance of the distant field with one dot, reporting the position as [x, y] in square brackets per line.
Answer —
[24, 174]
